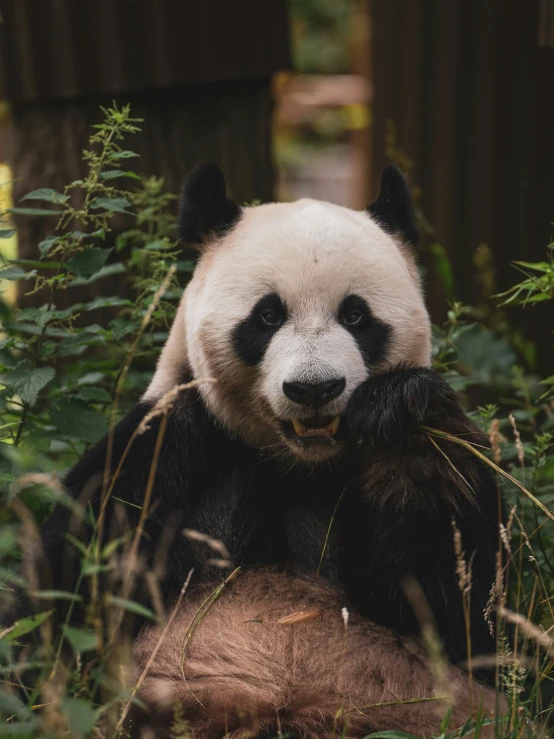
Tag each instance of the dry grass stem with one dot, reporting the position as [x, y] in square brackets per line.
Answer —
[113, 416]
[125, 370]
[163, 405]
[215, 544]
[496, 595]
[430, 637]
[477, 453]
[517, 438]
[453, 466]
[328, 533]
[542, 638]
[410, 701]
[155, 651]
[37, 478]
[495, 438]
[463, 568]
[300, 617]
[201, 613]
[463, 571]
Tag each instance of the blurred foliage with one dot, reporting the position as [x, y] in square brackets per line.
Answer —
[321, 35]
[324, 36]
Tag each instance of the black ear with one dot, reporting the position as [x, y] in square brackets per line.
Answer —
[394, 207]
[205, 209]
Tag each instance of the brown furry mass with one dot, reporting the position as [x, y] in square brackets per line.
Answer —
[243, 674]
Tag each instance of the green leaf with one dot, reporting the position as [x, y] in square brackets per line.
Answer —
[46, 244]
[122, 328]
[75, 420]
[91, 378]
[26, 625]
[15, 273]
[7, 233]
[115, 205]
[132, 607]
[540, 298]
[10, 704]
[100, 233]
[33, 212]
[186, 266]
[548, 380]
[111, 174]
[28, 383]
[95, 394]
[81, 717]
[538, 266]
[41, 316]
[46, 194]
[8, 536]
[89, 569]
[109, 269]
[109, 302]
[82, 640]
[88, 262]
[79, 545]
[57, 595]
[122, 154]
[16, 728]
[78, 343]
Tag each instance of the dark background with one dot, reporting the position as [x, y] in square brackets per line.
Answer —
[308, 97]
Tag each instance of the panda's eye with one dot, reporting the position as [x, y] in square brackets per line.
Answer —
[270, 317]
[353, 317]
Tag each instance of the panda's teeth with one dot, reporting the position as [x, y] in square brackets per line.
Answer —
[329, 431]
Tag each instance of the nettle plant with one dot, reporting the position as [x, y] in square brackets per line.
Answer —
[64, 380]
[60, 371]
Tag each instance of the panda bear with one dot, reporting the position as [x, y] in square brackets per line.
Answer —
[303, 349]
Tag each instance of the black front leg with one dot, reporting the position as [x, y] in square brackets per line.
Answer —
[411, 491]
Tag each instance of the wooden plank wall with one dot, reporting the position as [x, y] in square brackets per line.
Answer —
[471, 93]
[56, 49]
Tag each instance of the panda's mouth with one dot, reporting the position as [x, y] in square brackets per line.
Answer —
[317, 427]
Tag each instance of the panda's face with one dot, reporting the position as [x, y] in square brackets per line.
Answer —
[290, 311]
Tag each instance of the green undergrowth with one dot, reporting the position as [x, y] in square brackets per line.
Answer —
[71, 364]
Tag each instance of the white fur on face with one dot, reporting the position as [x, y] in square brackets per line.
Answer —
[313, 255]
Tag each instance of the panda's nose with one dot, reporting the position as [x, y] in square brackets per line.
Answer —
[314, 395]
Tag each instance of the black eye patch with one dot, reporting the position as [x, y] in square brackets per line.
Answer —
[371, 334]
[251, 336]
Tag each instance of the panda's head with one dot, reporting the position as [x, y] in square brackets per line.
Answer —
[291, 307]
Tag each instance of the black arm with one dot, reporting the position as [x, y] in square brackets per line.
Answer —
[413, 491]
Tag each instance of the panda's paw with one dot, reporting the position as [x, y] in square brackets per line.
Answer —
[388, 408]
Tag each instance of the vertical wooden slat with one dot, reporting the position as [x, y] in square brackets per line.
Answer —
[474, 111]
[62, 49]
